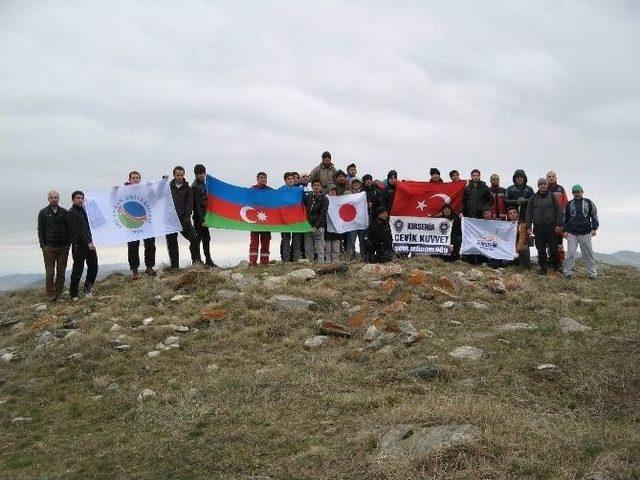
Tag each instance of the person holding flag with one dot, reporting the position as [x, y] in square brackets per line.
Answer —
[82, 247]
[133, 248]
[476, 196]
[199, 189]
[316, 205]
[183, 202]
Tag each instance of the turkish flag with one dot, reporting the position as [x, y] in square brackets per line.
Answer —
[425, 199]
[347, 213]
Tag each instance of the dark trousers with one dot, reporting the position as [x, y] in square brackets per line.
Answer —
[55, 264]
[204, 237]
[133, 252]
[546, 238]
[82, 254]
[190, 234]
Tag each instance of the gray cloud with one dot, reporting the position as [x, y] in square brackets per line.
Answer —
[91, 90]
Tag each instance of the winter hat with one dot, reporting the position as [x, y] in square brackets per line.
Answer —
[434, 171]
[577, 188]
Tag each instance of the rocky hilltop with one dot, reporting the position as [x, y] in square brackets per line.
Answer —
[417, 369]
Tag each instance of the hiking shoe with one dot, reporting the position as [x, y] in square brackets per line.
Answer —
[135, 275]
[151, 272]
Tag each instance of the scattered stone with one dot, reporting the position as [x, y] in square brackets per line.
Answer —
[75, 356]
[179, 328]
[587, 301]
[546, 367]
[45, 338]
[9, 322]
[417, 277]
[515, 281]
[448, 304]
[454, 322]
[330, 328]
[446, 287]
[113, 386]
[346, 306]
[273, 282]
[114, 328]
[479, 305]
[146, 394]
[467, 352]
[517, 327]
[179, 298]
[428, 372]
[172, 340]
[147, 321]
[387, 349]
[372, 333]
[417, 442]
[158, 299]
[212, 368]
[328, 268]
[7, 357]
[381, 341]
[496, 286]
[412, 334]
[474, 275]
[159, 346]
[153, 353]
[569, 325]
[122, 347]
[290, 303]
[300, 276]
[41, 307]
[315, 342]
[382, 270]
[19, 420]
[228, 294]
[375, 284]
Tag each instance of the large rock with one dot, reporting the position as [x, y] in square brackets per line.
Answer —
[290, 303]
[569, 325]
[417, 442]
[382, 270]
[496, 286]
[300, 276]
[467, 352]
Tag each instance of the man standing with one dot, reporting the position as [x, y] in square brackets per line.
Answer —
[260, 240]
[561, 196]
[305, 183]
[199, 189]
[82, 247]
[316, 204]
[341, 182]
[498, 207]
[183, 202]
[544, 212]
[324, 172]
[519, 193]
[454, 175]
[476, 196]
[53, 235]
[291, 243]
[352, 171]
[580, 224]
[133, 248]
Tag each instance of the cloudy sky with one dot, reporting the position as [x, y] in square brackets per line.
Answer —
[90, 90]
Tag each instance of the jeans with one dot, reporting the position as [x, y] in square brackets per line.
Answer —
[133, 253]
[190, 234]
[584, 241]
[351, 244]
[55, 264]
[82, 254]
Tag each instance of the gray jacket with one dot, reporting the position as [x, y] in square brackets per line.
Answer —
[544, 210]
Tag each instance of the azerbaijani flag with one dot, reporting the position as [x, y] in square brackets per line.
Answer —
[239, 208]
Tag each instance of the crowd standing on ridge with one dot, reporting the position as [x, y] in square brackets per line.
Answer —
[545, 217]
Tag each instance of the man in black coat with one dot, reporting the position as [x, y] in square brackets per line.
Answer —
[200, 197]
[379, 240]
[183, 202]
[476, 196]
[316, 204]
[519, 193]
[545, 214]
[82, 247]
[53, 235]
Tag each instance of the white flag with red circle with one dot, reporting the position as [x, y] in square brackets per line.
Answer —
[347, 213]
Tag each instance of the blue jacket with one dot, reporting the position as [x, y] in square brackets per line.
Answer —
[580, 217]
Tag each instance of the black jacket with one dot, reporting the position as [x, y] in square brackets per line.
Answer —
[316, 206]
[476, 196]
[183, 201]
[379, 240]
[199, 190]
[78, 225]
[53, 230]
[456, 229]
[543, 209]
[515, 191]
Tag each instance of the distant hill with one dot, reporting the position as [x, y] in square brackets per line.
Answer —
[621, 258]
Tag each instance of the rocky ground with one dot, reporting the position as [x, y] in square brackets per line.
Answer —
[418, 369]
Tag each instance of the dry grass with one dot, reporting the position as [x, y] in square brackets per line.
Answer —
[276, 410]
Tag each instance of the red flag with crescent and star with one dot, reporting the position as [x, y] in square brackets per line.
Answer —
[426, 199]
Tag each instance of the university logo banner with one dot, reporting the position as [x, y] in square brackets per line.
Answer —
[347, 213]
[491, 238]
[426, 199]
[131, 212]
[239, 208]
[421, 235]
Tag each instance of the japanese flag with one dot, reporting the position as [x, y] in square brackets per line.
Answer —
[347, 213]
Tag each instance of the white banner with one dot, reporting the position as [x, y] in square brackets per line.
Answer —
[491, 238]
[131, 212]
[421, 235]
[347, 213]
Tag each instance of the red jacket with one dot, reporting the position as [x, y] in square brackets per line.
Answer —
[498, 207]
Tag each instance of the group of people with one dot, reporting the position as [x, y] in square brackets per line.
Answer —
[545, 217]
